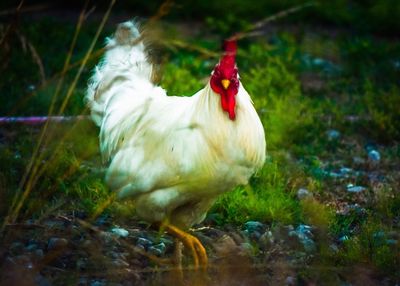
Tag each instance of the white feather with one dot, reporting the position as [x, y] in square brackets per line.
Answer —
[174, 155]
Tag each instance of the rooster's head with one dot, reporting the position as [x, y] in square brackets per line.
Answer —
[224, 79]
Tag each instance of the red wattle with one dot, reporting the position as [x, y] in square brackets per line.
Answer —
[226, 70]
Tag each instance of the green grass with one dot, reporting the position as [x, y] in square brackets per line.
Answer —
[267, 198]
[303, 83]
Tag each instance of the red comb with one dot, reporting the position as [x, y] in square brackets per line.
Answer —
[230, 47]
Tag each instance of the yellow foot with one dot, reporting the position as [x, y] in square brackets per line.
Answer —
[192, 243]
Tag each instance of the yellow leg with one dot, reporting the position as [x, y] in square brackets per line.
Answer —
[192, 243]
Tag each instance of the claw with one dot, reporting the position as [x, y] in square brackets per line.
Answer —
[192, 243]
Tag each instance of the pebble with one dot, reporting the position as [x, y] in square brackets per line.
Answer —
[56, 243]
[158, 249]
[396, 64]
[247, 247]
[290, 280]
[97, 283]
[354, 209]
[304, 194]
[87, 243]
[107, 237]
[355, 189]
[252, 226]
[326, 66]
[333, 134]
[31, 247]
[358, 160]
[334, 248]
[304, 234]
[168, 242]
[120, 263]
[17, 155]
[379, 234]
[345, 171]
[391, 241]
[267, 238]
[38, 254]
[121, 232]
[144, 242]
[374, 156]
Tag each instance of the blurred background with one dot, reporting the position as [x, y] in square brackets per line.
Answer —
[325, 79]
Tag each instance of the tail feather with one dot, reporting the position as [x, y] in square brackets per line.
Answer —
[125, 59]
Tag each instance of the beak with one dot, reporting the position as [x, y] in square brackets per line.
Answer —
[225, 83]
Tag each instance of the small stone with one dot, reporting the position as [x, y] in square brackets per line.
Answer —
[334, 248]
[120, 232]
[158, 249]
[81, 264]
[168, 242]
[357, 209]
[303, 194]
[97, 283]
[31, 247]
[252, 226]
[355, 189]
[87, 243]
[332, 134]
[379, 234]
[267, 238]
[374, 156]
[290, 281]
[345, 171]
[31, 88]
[38, 254]
[309, 245]
[304, 229]
[56, 243]
[247, 247]
[304, 234]
[120, 263]
[255, 235]
[358, 160]
[335, 175]
[107, 237]
[144, 242]
[396, 64]
[391, 241]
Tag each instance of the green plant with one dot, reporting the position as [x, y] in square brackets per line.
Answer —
[383, 107]
[267, 199]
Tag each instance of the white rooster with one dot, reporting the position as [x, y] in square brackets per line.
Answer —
[173, 155]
